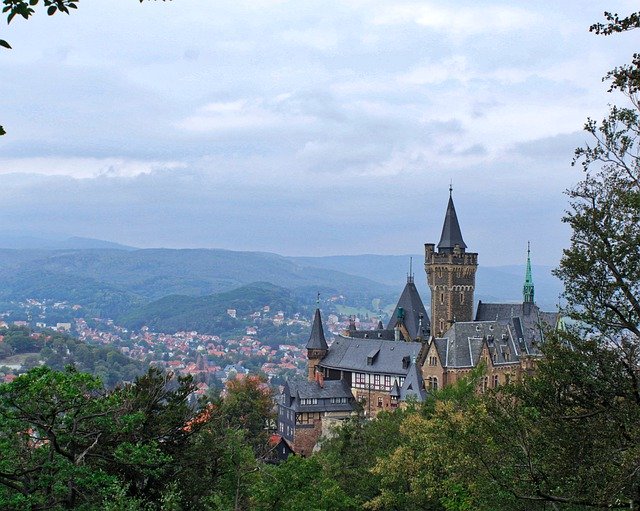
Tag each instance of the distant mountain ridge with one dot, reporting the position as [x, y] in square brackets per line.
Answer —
[23, 242]
[493, 283]
[112, 281]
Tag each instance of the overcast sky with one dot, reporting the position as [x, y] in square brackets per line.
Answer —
[302, 127]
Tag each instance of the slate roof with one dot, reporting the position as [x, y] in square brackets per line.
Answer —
[531, 320]
[413, 386]
[395, 390]
[370, 355]
[316, 339]
[294, 391]
[451, 235]
[384, 334]
[461, 346]
[412, 305]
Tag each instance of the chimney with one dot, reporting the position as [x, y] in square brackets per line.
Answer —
[320, 379]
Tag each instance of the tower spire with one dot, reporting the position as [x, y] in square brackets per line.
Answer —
[316, 339]
[451, 234]
[410, 274]
[528, 288]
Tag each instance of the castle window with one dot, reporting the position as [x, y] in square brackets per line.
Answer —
[507, 379]
[387, 381]
[379, 402]
[441, 298]
[485, 383]
[442, 325]
[360, 379]
[461, 297]
[376, 380]
[496, 381]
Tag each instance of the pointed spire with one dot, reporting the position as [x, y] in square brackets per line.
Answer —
[451, 235]
[528, 288]
[316, 339]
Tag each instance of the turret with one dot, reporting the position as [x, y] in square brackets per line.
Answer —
[316, 346]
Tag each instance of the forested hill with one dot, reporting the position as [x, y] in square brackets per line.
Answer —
[208, 314]
[111, 282]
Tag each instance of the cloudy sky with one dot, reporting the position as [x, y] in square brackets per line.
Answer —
[302, 127]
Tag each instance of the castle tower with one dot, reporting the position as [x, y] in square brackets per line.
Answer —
[451, 275]
[316, 346]
[528, 289]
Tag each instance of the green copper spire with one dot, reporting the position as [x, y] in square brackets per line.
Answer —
[527, 290]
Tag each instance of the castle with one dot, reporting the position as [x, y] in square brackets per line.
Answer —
[381, 369]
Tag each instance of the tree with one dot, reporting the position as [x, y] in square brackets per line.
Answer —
[299, 484]
[248, 407]
[568, 435]
[66, 442]
[50, 423]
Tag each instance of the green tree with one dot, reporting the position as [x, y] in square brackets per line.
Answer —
[298, 484]
[567, 437]
[50, 424]
[355, 449]
[248, 406]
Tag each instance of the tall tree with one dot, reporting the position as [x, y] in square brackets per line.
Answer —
[568, 436]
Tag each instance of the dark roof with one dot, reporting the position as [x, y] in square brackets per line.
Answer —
[316, 339]
[413, 385]
[395, 390]
[412, 305]
[532, 321]
[353, 354]
[462, 344]
[294, 391]
[387, 335]
[451, 235]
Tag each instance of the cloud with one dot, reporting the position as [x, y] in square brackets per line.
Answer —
[470, 20]
[248, 125]
[81, 168]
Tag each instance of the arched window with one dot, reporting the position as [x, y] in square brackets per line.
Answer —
[485, 383]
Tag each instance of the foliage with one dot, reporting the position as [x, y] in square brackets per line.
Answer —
[299, 484]
[58, 350]
[248, 407]
[355, 449]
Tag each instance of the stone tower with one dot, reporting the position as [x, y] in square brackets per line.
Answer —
[451, 275]
[316, 346]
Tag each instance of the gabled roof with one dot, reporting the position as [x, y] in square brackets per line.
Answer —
[413, 386]
[412, 306]
[462, 345]
[352, 354]
[451, 235]
[532, 321]
[294, 391]
[316, 339]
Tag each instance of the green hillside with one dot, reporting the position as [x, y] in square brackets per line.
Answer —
[208, 314]
[111, 282]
